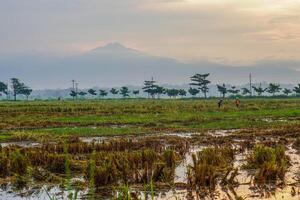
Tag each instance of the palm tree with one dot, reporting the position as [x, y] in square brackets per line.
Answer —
[114, 91]
[259, 90]
[274, 88]
[233, 90]
[102, 93]
[92, 92]
[245, 91]
[287, 91]
[73, 94]
[82, 94]
[124, 92]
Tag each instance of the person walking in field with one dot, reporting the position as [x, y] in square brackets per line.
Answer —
[237, 102]
[220, 102]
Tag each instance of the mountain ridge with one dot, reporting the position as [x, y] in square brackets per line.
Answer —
[115, 65]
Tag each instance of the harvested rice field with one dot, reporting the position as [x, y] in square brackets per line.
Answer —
[150, 149]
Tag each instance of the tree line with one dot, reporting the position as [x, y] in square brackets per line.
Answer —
[17, 88]
[199, 85]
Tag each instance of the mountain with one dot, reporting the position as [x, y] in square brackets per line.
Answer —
[115, 48]
[117, 65]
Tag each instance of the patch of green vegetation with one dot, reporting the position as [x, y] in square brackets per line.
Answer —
[208, 165]
[140, 116]
[270, 163]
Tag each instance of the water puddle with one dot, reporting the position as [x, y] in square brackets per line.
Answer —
[24, 144]
[243, 189]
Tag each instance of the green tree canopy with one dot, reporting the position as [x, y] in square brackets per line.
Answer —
[124, 92]
[150, 88]
[273, 88]
[82, 94]
[17, 87]
[233, 90]
[297, 89]
[193, 91]
[259, 90]
[158, 90]
[3, 88]
[287, 91]
[114, 91]
[102, 93]
[135, 92]
[73, 94]
[201, 82]
[222, 89]
[246, 91]
[172, 92]
[92, 92]
[182, 92]
[27, 92]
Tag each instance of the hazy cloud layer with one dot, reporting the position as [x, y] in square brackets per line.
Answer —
[228, 31]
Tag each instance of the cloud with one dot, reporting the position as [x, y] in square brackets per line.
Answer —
[232, 30]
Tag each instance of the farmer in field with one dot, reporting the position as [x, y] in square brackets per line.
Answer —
[220, 102]
[237, 102]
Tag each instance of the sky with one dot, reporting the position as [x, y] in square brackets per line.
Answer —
[225, 31]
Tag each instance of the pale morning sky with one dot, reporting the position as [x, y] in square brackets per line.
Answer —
[228, 31]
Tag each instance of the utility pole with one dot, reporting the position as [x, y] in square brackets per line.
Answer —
[76, 90]
[250, 84]
[73, 85]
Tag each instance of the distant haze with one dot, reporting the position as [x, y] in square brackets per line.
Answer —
[47, 43]
[117, 65]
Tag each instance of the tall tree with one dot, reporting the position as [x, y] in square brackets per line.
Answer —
[246, 91]
[287, 91]
[222, 89]
[3, 88]
[193, 91]
[102, 93]
[201, 82]
[297, 89]
[124, 92]
[17, 87]
[233, 90]
[259, 90]
[27, 92]
[114, 91]
[92, 92]
[150, 88]
[182, 93]
[274, 88]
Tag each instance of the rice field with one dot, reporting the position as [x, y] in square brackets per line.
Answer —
[150, 149]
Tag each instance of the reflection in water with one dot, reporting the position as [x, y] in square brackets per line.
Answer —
[241, 186]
